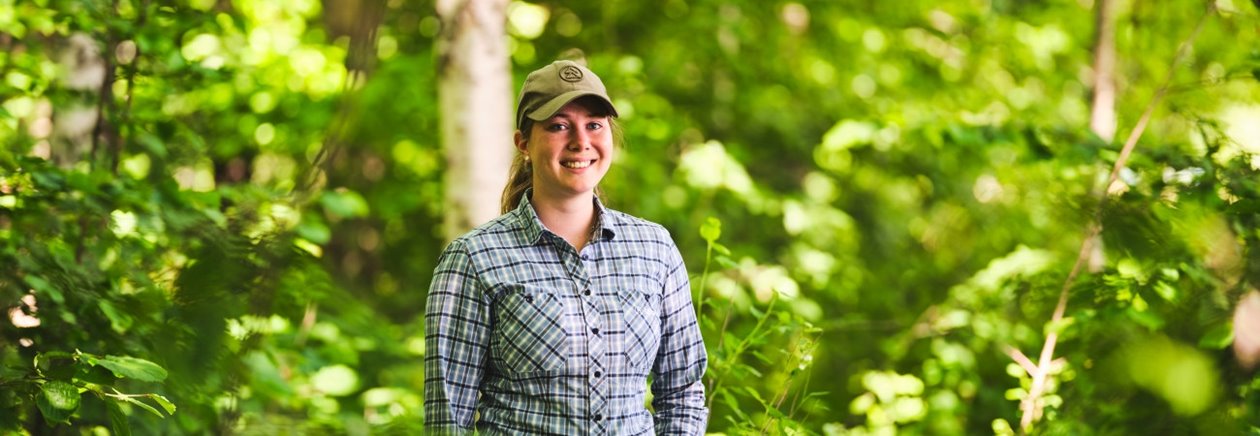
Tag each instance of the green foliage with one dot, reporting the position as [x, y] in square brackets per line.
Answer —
[58, 380]
[772, 404]
[247, 230]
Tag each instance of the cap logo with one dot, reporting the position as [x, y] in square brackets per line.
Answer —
[571, 74]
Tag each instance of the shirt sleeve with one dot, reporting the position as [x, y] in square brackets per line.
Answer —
[457, 336]
[678, 389]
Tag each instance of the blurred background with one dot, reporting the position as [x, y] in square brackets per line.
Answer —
[222, 216]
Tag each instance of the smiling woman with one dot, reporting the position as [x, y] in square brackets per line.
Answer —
[570, 152]
[550, 318]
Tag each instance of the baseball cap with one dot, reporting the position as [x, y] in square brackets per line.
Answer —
[549, 88]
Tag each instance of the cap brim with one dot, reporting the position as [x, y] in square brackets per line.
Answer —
[549, 109]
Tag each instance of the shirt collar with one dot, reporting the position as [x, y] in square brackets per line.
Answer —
[605, 222]
[533, 229]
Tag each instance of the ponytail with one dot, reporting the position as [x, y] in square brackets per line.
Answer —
[520, 179]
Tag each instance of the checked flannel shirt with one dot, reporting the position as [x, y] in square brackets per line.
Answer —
[524, 335]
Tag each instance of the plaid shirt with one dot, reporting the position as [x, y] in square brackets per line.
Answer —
[523, 334]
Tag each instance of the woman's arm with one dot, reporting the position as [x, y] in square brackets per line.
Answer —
[678, 392]
[457, 336]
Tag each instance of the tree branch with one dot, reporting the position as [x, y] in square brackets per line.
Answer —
[1029, 406]
[1021, 359]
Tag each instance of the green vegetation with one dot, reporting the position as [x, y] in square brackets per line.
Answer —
[880, 203]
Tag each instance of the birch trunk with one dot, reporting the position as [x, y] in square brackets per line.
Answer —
[77, 126]
[475, 100]
[1102, 114]
[1102, 111]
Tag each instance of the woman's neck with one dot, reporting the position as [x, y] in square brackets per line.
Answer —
[571, 217]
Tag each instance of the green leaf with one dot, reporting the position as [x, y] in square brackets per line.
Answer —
[1166, 291]
[118, 321]
[43, 287]
[754, 394]
[344, 203]
[1147, 319]
[731, 341]
[336, 380]
[152, 144]
[10, 373]
[118, 419]
[760, 356]
[721, 249]
[1219, 337]
[1057, 327]
[87, 358]
[90, 375]
[132, 367]
[49, 356]
[166, 404]
[731, 401]
[711, 230]
[313, 229]
[124, 398]
[58, 400]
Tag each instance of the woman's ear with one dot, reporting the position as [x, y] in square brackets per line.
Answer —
[520, 141]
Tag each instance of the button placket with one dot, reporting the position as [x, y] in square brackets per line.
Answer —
[597, 348]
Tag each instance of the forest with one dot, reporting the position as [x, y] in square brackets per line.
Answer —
[918, 217]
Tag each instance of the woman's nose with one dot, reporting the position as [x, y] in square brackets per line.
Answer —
[580, 140]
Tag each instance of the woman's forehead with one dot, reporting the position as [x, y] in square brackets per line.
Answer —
[586, 106]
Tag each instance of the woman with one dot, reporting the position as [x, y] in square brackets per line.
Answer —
[549, 318]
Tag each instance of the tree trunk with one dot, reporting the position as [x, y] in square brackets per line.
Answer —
[1102, 116]
[475, 100]
[1102, 111]
[76, 126]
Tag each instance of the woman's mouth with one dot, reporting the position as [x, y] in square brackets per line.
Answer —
[577, 164]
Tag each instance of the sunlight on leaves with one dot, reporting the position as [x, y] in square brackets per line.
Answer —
[1183, 376]
[527, 20]
[336, 380]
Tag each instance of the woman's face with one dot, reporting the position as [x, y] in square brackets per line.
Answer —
[571, 151]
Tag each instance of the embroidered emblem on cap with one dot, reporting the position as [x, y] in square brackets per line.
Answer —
[570, 74]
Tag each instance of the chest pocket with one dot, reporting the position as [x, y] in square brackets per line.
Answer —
[641, 311]
[529, 337]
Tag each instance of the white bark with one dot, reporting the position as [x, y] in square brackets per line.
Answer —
[1102, 117]
[475, 101]
[1102, 112]
[73, 124]
[1247, 330]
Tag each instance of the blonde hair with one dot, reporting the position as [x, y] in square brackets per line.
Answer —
[520, 177]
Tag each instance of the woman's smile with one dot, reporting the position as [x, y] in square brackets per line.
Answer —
[578, 164]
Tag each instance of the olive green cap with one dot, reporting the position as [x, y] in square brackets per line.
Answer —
[549, 88]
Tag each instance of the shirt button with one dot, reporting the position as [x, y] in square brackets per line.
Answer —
[597, 417]
[586, 257]
[595, 330]
[529, 298]
[598, 374]
[587, 293]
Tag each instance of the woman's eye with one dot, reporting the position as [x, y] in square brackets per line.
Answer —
[594, 126]
[557, 127]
